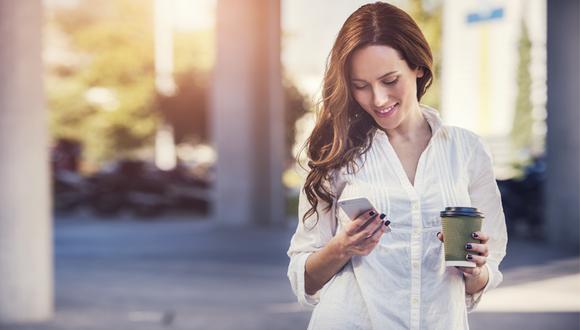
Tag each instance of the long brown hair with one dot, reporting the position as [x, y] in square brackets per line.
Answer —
[343, 131]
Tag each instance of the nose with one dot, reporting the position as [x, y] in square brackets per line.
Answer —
[380, 97]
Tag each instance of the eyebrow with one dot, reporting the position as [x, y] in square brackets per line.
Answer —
[381, 77]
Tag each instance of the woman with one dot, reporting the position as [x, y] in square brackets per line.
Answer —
[373, 138]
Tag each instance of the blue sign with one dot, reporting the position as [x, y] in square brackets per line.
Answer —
[490, 15]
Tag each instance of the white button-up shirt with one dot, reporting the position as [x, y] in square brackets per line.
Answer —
[403, 283]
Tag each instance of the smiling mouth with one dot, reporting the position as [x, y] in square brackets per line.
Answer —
[387, 110]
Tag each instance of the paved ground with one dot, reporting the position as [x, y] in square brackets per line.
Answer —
[189, 274]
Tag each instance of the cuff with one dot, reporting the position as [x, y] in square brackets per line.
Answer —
[472, 300]
[296, 276]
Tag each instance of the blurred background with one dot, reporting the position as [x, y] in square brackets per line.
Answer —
[148, 154]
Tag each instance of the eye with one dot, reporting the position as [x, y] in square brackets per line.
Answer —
[391, 82]
[359, 86]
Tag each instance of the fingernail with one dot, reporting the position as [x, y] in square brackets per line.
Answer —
[438, 233]
[382, 216]
[474, 235]
[469, 257]
[387, 223]
[468, 246]
[371, 213]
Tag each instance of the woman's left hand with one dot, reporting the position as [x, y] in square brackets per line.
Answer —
[476, 252]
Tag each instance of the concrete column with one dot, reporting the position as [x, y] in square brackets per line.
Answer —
[563, 139]
[26, 274]
[247, 113]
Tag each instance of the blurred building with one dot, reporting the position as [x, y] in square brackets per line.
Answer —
[482, 57]
[479, 76]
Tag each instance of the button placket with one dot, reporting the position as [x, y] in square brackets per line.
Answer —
[416, 247]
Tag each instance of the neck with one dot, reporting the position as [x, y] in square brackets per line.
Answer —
[414, 126]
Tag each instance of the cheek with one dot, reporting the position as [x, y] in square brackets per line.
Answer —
[409, 89]
[361, 98]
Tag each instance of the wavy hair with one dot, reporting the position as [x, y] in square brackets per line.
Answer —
[343, 130]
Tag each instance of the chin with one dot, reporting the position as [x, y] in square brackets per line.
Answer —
[388, 124]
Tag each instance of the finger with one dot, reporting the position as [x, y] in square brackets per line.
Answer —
[479, 249]
[440, 237]
[483, 237]
[377, 230]
[368, 231]
[479, 260]
[369, 221]
[470, 271]
[371, 242]
[355, 226]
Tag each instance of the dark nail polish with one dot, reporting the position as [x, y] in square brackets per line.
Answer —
[382, 216]
[474, 235]
[480, 254]
[468, 246]
[469, 257]
[438, 233]
[371, 213]
[387, 223]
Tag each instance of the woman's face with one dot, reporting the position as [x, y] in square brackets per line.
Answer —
[384, 85]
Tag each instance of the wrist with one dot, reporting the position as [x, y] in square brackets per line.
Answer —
[476, 283]
[338, 248]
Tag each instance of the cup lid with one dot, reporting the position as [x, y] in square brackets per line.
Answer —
[461, 211]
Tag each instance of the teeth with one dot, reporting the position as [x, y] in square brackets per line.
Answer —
[387, 110]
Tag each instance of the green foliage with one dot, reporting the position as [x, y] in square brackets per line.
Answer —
[187, 110]
[296, 105]
[521, 133]
[112, 44]
[430, 23]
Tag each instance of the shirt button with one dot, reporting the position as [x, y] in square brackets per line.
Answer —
[415, 265]
[414, 301]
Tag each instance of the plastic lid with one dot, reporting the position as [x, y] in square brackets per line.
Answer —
[461, 211]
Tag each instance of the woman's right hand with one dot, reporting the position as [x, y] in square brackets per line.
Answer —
[362, 234]
[358, 238]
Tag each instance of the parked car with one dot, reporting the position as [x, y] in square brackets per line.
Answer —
[135, 186]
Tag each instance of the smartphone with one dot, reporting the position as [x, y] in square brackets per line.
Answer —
[353, 207]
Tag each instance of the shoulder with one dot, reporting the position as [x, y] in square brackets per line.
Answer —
[463, 135]
[465, 144]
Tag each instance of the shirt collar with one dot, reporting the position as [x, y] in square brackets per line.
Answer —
[432, 117]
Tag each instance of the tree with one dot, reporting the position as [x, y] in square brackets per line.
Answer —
[104, 99]
[187, 110]
[429, 20]
[521, 133]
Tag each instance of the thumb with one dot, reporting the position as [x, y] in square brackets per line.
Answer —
[440, 236]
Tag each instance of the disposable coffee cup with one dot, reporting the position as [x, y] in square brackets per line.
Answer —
[458, 225]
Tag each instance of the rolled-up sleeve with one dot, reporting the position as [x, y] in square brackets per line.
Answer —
[310, 236]
[485, 196]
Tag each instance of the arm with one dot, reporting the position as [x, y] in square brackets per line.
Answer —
[485, 195]
[359, 238]
[322, 265]
[476, 283]
[316, 255]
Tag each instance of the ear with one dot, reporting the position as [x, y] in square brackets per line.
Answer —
[420, 72]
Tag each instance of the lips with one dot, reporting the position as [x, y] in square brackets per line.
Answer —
[387, 111]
